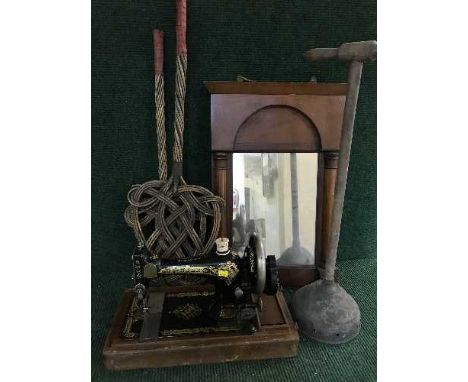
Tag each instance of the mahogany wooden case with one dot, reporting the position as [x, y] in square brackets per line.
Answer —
[277, 337]
[273, 117]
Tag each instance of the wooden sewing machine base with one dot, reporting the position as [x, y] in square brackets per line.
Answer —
[277, 337]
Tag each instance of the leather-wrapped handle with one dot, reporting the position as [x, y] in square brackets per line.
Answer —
[351, 51]
[158, 49]
[181, 26]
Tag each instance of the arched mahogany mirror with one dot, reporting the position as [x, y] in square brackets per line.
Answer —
[275, 150]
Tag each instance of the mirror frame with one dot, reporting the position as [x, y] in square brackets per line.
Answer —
[273, 117]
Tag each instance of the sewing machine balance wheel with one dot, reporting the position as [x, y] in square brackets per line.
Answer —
[263, 269]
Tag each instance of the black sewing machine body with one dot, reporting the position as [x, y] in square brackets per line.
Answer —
[230, 303]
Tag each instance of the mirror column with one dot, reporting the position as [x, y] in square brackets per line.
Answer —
[222, 186]
[330, 163]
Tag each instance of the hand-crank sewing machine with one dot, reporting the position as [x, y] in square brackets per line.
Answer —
[238, 280]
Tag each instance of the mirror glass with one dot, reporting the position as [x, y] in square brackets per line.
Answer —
[274, 194]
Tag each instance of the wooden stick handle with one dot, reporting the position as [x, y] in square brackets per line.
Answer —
[181, 74]
[158, 45]
[181, 27]
[158, 49]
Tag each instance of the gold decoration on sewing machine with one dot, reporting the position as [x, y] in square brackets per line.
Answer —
[150, 271]
[227, 271]
[187, 311]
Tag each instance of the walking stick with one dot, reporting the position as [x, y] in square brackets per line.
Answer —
[323, 309]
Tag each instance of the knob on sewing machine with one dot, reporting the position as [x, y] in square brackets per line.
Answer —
[239, 278]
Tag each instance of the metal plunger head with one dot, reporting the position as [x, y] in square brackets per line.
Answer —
[323, 309]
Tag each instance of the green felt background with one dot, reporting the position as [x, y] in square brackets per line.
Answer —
[260, 39]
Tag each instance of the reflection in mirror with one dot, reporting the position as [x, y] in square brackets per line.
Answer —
[274, 194]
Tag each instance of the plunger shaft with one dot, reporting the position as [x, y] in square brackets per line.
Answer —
[354, 80]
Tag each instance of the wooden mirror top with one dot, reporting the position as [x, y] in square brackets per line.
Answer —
[276, 116]
[278, 88]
